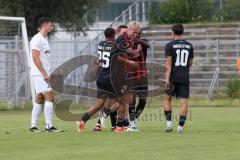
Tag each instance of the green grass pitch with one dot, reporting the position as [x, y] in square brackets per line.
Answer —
[212, 132]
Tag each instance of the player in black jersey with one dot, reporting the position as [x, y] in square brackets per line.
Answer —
[179, 57]
[121, 29]
[106, 50]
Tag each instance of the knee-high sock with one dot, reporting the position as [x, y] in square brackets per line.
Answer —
[35, 114]
[182, 120]
[132, 110]
[140, 107]
[48, 112]
[132, 113]
[113, 116]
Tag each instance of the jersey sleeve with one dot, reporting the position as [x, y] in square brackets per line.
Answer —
[119, 40]
[145, 43]
[121, 43]
[168, 51]
[36, 44]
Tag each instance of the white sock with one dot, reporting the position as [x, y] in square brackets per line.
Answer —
[35, 114]
[180, 127]
[132, 124]
[48, 112]
[169, 124]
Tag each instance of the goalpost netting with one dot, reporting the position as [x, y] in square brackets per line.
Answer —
[14, 68]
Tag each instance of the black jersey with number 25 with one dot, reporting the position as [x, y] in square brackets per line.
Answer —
[106, 50]
[181, 52]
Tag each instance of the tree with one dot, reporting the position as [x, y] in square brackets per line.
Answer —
[180, 11]
[231, 9]
[71, 15]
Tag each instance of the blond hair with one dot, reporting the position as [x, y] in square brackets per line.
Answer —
[134, 24]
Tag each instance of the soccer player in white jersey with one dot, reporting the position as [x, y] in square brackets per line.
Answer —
[40, 74]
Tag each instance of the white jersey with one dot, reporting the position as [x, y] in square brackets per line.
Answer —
[40, 43]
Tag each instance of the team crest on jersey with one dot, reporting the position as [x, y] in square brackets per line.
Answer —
[124, 89]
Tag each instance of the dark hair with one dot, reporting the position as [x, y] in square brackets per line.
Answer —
[43, 20]
[177, 29]
[140, 33]
[122, 26]
[109, 32]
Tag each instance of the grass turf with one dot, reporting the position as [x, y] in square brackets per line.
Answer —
[210, 133]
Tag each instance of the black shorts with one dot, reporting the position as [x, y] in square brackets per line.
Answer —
[141, 91]
[139, 86]
[105, 89]
[181, 90]
[121, 89]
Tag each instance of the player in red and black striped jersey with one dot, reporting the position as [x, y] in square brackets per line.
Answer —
[132, 51]
[179, 57]
[141, 88]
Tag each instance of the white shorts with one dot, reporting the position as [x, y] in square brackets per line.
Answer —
[40, 85]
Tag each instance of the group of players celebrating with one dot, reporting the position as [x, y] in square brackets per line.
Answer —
[122, 62]
[122, 77]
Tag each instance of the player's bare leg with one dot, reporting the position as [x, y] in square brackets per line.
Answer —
[114, 105]
[183, 114]
[100, 122]
[110, 106]
[168, 113]
[96, 107]
[123, 104]
[120, 118]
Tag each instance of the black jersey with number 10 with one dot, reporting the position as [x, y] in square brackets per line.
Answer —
[181, 52]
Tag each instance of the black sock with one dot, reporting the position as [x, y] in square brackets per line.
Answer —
[182, 120]
[126, 122]
[85, 117]
[132, 113]
[168, 115]
[120, 122]
[140, 107]
[113, 117]
[99, 122]
[107, 111]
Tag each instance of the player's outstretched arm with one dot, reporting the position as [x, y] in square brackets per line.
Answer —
[128, 62]
[133, 51]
